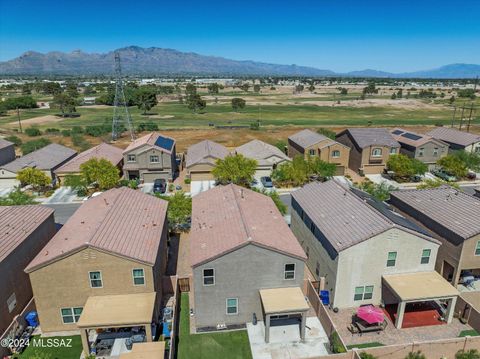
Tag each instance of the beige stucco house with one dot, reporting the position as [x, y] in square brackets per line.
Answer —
[308, 143]
[150, 157]
[201, 158]
[359, 249]
[458, 140]
[370, 148]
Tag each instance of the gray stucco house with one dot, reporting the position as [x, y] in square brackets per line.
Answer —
[7, 151]
[240, 245]
[149, 158]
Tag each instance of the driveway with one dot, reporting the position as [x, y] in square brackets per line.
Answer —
[379, 179]
[62, 195]
[200, 186]
[63, 211]
[5, 191]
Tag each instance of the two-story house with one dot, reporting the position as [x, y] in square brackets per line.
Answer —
[455, 217]
[308, 143]
[370, 148]
[150, 157]
[363, 252]
[241, 247]
[109, 258]
[421, 147]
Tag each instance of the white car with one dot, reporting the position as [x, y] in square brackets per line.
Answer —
[94, 194]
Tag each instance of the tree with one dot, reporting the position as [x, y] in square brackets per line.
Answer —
[256, 88]
[17, 198]
[299, 88]
[213, 88]
[235, 169]
[311, 88]
[282, 207]
[327, 133]
[179, 211]
[281, 144]
[65, 102]
[453, 165]
[405, 167]
[17, 141]
[196, 103]
[238, 103]
[33, 132]
[435, 183]
[100, 173]
[245, 86]
[71, 89]
[370, 89]
[34, 145]
[471, 354]
[343, 90]
[190, 90]
[320, 168]
[34, 177]
[145, 98]
[381, 191]
[470, 159]
[77, 183]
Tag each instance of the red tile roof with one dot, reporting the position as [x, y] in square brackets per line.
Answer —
[151, 140]
[226, 218]
[103, 150]
[121, 221]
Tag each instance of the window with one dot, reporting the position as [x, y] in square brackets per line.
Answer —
[435, 151]
[336, 154]
[138, 277]
[393, 150]
[11, 302]
[232, 306]
[477, 249]
[425, 256]
[421, 151]
[208, 277]
[363, 293]
[154, 159]
[71, 315]
[290, 271]
[392, 259]
[377, 152]
[311, 152]
[131, 158]
[95, 279]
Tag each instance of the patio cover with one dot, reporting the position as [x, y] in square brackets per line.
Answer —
[145, 351]
[117, 310]
[283, 300]
[420, 286]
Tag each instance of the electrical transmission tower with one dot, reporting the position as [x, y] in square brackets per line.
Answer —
[121, 116]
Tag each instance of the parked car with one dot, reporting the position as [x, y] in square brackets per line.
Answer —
[441, 173]
[159, 185]
[266, 182]
[94, 194]
[471, 175]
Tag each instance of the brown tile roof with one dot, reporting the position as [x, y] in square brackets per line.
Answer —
[261, 152]
[205, 152]
[452, 135]
[452, 209]
[17, 223]
[307, 138]
[152, 139]
[46, 158]
[343, 217]
[412, 138]
[103, 150]
[229, 217]
[365, 137]
[121, 221]
[5, 144]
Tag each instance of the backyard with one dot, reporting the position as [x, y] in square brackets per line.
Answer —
[52, 348]
[232, 344]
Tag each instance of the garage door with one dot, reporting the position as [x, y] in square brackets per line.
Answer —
[340, 171]
[201, 176]
[8, 183]
[262, 173]
[151, 177]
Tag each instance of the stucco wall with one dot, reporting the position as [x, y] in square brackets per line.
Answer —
[166, 162]
[468, 258]
[241, 274]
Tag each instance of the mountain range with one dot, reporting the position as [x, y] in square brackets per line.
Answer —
[158, 61]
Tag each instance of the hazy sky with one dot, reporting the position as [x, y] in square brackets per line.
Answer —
[337, 35]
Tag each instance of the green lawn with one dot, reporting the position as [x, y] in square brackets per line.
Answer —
[471, 333]
[60, 352]
[231, 345]
[366, 345]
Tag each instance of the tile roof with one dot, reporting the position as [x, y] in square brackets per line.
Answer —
[103, 150]
[5, 144]
[121, 221]
[343, 217]
[17, 223]
[307, 138]
[229, 217]
[365, 137]
[452, 135]
[205, 152]
[153, 139]
[260, 151]
[453, 209]
[46, 158]
[412, 138]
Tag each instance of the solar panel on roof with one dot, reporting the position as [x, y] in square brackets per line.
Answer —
[163, 142]
[397, 132]
[411, 136]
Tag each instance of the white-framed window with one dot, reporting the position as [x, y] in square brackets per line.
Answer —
[336, 154]
[138, 276]
[154, 159]
[477, 249]
[421, 151]
[435, 151]
[377, 152]
[289, 272]
[425, 256]
[363, 293]
[311, 152]
[209, 276]
[393, 150]
[392, 259]
[95, 279]
[232, 306]
[12, 302]
[131, 158]
[71, 315]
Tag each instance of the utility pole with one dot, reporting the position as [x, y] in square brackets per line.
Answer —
[121, 116]
[470, 118]
[453, 117]
[461, 117]
[19, 121]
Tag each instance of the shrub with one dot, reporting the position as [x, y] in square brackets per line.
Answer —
[415, 355]
[327, 133]
[79, 141]
[336, 344]
[52, 130]
[97, 131]
[33, 132]
[34, 145]
[77, 129]
[66, 133]
[187, 181]
[17, 141]
[470, 354]
[171, 187]
[147, 126]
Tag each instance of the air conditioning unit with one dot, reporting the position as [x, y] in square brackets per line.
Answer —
[221, 326]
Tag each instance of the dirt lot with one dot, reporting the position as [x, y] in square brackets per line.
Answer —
[37, 121]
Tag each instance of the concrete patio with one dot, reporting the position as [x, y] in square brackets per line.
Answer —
[285, 340]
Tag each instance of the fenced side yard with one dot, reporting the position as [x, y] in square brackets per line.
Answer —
[230, 344]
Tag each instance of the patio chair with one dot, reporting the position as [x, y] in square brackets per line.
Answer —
[353, 329]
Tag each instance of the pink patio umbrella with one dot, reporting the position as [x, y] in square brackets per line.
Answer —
[370, 314]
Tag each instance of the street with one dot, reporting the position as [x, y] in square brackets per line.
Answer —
[63, 211]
